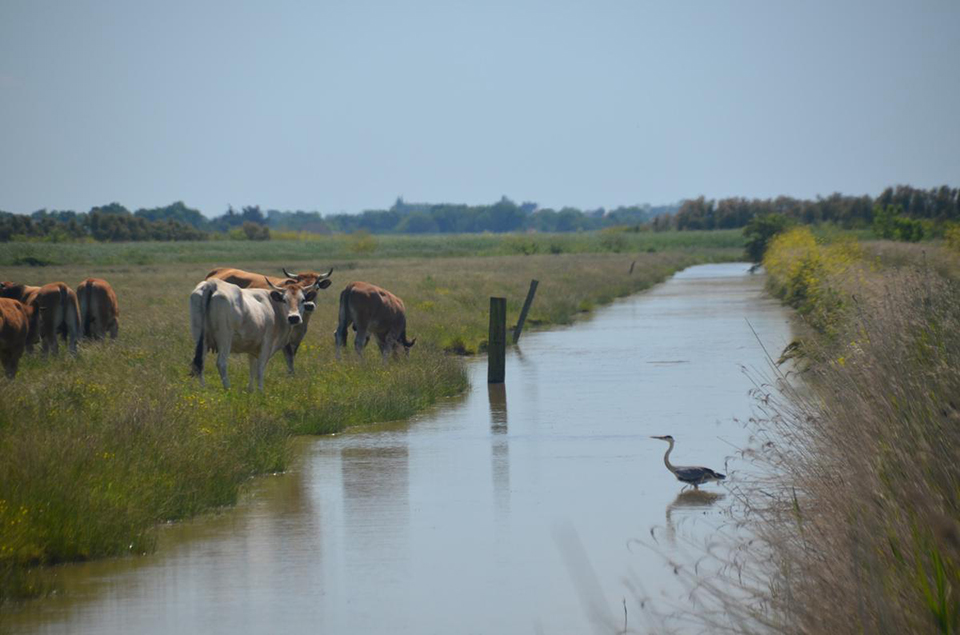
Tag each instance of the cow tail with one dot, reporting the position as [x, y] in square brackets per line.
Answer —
[84, 293]
[208, 290]
[71, 314]
[344, 318]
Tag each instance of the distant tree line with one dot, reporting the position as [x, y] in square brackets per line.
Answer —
[111, 222]
[937, 205]
[449, 218]
[891, 214]
[114, 222]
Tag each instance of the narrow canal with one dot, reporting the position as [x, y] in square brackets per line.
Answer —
[510, 510]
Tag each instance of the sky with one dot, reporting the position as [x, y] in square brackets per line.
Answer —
[341, 106]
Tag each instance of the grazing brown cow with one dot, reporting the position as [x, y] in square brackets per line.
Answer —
[58, 309]
[372, 311]
[99, 311]
[17, 320]
[306, 280]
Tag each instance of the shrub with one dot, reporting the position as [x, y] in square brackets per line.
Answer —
[362, 242]
[952, 236]
[760, 230]
[807, 275]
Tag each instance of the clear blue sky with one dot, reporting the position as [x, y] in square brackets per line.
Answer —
[342, 106]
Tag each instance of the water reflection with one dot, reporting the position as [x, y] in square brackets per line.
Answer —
[376, 503]
[500, 447]
[685, 505]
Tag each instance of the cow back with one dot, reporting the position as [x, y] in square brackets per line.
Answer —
[15, 323]
[99, 309]
[375, 308]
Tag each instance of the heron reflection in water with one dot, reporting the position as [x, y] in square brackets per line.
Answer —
[689, 474]
[688, 503]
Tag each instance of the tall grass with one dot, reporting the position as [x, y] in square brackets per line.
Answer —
[96, 450]
[858, 524]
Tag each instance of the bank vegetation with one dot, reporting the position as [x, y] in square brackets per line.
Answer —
[858, 525]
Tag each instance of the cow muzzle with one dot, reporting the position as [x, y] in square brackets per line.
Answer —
[309, 306]
[294, 319]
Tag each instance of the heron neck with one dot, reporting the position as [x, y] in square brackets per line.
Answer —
[666, 457]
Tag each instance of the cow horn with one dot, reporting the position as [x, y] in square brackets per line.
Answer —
[288, 274]
[326, 275]
[272, 286]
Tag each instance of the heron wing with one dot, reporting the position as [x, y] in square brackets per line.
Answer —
[697, 474]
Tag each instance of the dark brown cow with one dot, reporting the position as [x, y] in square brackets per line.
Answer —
[16, 323]
[58, 308]
[372, 311]
[99, 311]
[247, 280]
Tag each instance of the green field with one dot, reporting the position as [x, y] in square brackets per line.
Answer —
[340, 248]
[95, 450]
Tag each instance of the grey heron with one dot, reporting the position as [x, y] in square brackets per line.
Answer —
[691, 475]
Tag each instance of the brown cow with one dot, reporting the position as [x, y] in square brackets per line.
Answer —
[17, 320]
[58, 309]
[99, 311]
[247, 280]
[372, 311]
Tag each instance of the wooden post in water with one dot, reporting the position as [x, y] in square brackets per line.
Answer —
[523, 312]
[497, 341]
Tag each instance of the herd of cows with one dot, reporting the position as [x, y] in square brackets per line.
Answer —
[231, 311]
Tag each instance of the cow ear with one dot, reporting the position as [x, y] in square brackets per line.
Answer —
[323, 284]
[276, 296]
[310, 296]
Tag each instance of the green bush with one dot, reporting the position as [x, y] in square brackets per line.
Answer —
[760, 230]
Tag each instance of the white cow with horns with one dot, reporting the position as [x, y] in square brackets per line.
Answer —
[259, 322]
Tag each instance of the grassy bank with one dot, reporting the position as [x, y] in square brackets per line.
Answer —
[98, 449]
[861, 522]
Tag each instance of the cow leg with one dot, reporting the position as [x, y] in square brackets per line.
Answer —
[289, 351]
[114, 329]
[359, 341]
[340, 338]
[10, 361]
[254, 375]
[72, 331]
[261, 365]
[223, 354]
[261, 369]
[386, 345]
[50, 345]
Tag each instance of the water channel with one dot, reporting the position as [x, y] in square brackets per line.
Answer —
[508, 510]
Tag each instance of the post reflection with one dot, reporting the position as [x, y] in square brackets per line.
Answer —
[686, 504]
[376, 499]
[500, 446]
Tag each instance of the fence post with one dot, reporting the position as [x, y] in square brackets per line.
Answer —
[497, 341]
[523, 312]
[631, 266]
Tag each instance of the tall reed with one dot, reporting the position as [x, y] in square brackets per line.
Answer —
[857, 521]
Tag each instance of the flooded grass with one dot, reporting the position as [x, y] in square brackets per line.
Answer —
[96, 450]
